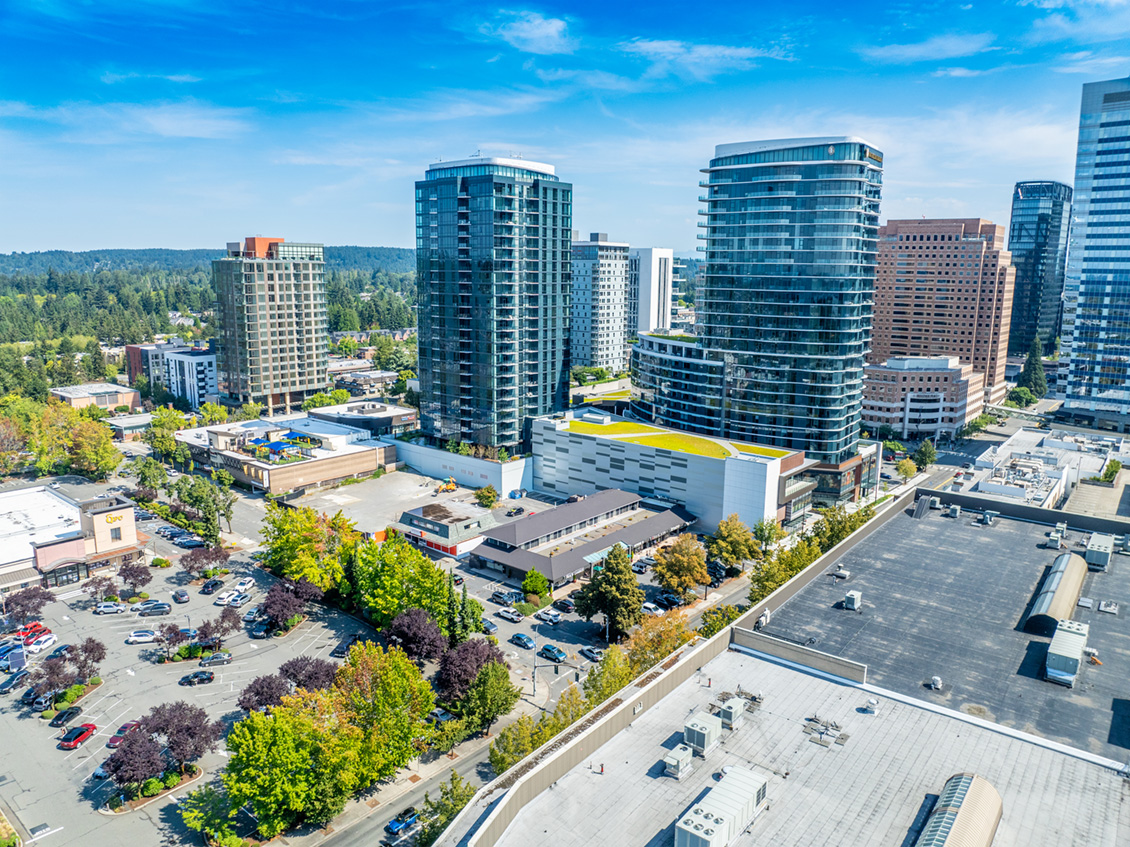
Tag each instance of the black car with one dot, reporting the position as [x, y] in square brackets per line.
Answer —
[565, 605]
[261, 629]
[212, 586]
[198, 678]
[517, 510]
[13, 682]
[222, 658]
[61, 651]
[66, 716]
[29, 696]
[180, 596]
[155, 611]
[342, 649]
[189, 543]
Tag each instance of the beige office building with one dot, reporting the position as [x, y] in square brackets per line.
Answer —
[923, 396]
[944, 288]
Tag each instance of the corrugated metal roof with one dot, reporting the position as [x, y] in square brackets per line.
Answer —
[966, 815]
[1058, 595]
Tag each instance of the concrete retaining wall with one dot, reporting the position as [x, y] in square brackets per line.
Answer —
[467, 470]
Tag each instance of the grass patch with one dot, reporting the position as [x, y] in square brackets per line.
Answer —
[768, 452]
[683, 444]
[615, 428]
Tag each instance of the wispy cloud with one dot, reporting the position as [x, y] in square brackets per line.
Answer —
[531, 32]
[697, 61]
[459, 104]
[593, 79]
[1086, 21]
[111, 123]
[112, 78]
[938, 48]
[1086, 62]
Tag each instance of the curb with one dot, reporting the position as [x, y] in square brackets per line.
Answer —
[164, 795]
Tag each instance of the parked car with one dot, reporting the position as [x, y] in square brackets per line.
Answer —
[101, 772]
[489, 626]
[142, 636]
[29, 696]
[76, 736]
[553, 653]
[514, 512]
[503, 598]
[66, 716]
[224, 597]
[111, 608]
[180, 596]
[522, 640]
[198, 678]
[885, 476]
[13, 682]
[42, 643]
[212, 586]
[45, 701]
[143, 605]
[216, 659]
[27, 629]
[239, 601]
[61, 651]
[188, 632]
[512, 615]
[456, 579]
[34, 637]
[189, 543]
[123, 730]
[156, 610]
[342, 649]
[439, 716]
[651, 609]
[168, 531]
[548, 615]
[565, 605]
[592, 654]
[261, 629]
[402, 821]
[252, 615]
[245, 584]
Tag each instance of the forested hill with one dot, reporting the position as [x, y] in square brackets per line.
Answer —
[369, 259]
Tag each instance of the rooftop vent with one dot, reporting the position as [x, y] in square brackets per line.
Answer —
[702, 732]
[732, 712]
[678, 763]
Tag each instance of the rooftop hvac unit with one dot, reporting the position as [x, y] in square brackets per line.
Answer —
[935, 503]
[955, 511]
[1054, 541]
[987, 518]
[702, 732]
[678, 762]
[732, 713]
[853, 601]
[1061, 528]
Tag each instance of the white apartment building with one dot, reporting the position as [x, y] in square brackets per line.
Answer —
[191, 373]
[599, 305]
[651, 288]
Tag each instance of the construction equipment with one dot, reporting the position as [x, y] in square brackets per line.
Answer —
[447, 485]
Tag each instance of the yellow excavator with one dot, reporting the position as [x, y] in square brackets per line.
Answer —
[446, 485]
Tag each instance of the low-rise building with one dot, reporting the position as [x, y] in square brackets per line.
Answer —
[447, 527]
[923, 396]
[366, 383]
[583, 451]
[51, 540]
[104, 395]
[191, 373]
[288, 454]
[129, 427]
[375, 418]
[339, 366]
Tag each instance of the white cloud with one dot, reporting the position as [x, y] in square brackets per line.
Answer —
[531, 32]
[1085, 21]
[600, 80]
[113, 123]
[697, 61]
[1086, 62]
[111, 78]
[932, 49]
[458, 105]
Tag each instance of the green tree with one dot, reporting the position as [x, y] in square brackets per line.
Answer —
[535, 583]
[223, 478]
[339, 396]
[1021, 397]
[608, 676]
[316, 401]
[906, 469]
[1032, 375]
[837, 523]
[613, 592]
[395, 576]
[682, 566]
[208, 812]
[305, 544]
[732, 543]
[717, 619]
[513, 744]
[925, 455]
[150, 473]
[437, 814]
[656, 638]
[767, 532]
[490, 696]
[93, 450]
[249, 412]
[213, 413]
[486, 496]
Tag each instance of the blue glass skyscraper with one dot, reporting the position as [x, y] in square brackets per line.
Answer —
[1096, 315]
[1037, 239]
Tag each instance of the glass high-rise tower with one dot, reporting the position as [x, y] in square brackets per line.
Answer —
[1037, 239]
[1096, 306]
[784, 310]
[493, 240]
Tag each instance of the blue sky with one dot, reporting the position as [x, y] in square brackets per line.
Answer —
[175, 123]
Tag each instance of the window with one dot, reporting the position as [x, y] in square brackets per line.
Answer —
[116, 533]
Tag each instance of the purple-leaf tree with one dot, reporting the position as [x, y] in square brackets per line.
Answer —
[459, 667]
[186, 730]
[135, 760]
[263, 692]
[23, 605]
[53, 675]
[280, 604]
[135, 575]
[417, 634]
[100, 587]
[87, 657]
[228, 623]
[309, 673]
[197, 561]
[171, 638]
[307, 591]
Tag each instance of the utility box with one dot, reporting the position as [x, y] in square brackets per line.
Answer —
[853, 601]
[1099, 550]
[702, 732]
[1065, 653]
[678, 763]
[732, 713]
[1055, 542]
[955, 511]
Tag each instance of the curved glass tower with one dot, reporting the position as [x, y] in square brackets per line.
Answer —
[784, 312]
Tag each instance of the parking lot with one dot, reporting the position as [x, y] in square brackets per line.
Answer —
[41, 785]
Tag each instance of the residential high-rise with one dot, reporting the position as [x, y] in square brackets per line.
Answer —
[599, 304]
[271, 299]
[493, 240]
[1037, 240]
[1096, 304]
[784, 308]
[651, 287]
[944, 288]
[190, 372]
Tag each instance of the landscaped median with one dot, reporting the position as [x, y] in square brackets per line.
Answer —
[70, 697]
[8, 836]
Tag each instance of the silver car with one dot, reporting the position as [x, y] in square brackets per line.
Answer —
[110, 608]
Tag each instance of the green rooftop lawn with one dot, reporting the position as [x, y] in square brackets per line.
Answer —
[616, 428]
[767, 452]
[683, 444]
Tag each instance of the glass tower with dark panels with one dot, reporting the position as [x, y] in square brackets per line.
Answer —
[493, 240]
[1096, 306]
[784, 309]
[1037, 239]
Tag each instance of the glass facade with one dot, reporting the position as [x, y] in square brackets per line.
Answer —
[785, 306]
[1096, 316]
[493, 240]
[1037, 239]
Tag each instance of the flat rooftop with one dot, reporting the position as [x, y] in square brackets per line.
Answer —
[948, 597]
[33, 515]
[90, 389]
[870, 790]
[649, 435]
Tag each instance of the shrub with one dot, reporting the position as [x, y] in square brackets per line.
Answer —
[160, 562]
[133, 600]
[114, 803]
[112, 598]
[292, 622]
[144, 595]
[172, 780]
[228, 839]
[160, 660]
[73, 693]
[151, 787]
[96, 680]
[9, 841]
[48, 714]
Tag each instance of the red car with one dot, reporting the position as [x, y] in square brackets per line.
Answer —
[76, 735]
[27, 629]
[39, 633]
[119, 736]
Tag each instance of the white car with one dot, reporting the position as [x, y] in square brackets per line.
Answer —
[110, 608]
[42, 643]
[239, 600]
[512, 615]
[651, 609]
[142, 636]
[548, 615]
[245, 584]
[224, 598]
